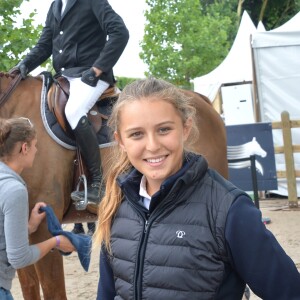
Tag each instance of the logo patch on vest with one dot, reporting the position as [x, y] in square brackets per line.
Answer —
[180, 234]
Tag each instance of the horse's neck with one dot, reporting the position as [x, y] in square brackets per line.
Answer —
[6, 91]
[24, 100]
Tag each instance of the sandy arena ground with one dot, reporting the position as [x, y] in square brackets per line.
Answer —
[285, 225]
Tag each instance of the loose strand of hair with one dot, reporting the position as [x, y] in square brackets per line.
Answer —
[111, 201]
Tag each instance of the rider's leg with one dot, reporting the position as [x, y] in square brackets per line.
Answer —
[82, 99]
[91, 228]
[78, 228]
[88, 145]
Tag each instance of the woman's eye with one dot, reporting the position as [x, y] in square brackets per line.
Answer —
[164, 130]
[136, 134]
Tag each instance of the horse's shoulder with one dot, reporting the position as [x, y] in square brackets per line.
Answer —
[196, 96]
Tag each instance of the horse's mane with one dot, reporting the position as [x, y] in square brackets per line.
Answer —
[6, 74]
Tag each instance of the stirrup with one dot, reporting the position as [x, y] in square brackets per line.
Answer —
[81, 204]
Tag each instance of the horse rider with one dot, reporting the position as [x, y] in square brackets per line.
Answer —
[85, 38]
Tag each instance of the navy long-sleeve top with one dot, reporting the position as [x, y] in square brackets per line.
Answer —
[254, 252]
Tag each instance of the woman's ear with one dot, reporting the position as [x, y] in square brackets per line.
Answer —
[187, 127]
[119, 141]
[24, 148]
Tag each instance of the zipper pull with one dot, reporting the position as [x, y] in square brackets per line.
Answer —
[146, 226]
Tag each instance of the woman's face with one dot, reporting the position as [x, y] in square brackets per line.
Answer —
[30, 152]
[152, 134]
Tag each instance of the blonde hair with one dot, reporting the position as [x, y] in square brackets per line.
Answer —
[147, 89]
[13, 131]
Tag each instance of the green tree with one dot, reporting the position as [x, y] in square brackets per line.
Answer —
[16, 36]
[186, 38]
[123, 81]
[272, 13]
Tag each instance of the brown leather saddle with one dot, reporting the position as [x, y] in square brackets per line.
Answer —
[57, 98]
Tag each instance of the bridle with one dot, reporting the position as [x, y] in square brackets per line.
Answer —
[16, 78]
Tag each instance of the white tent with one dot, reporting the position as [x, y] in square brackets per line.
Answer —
[236, 67]
[277, 70]
[260, 27]
[291, 25]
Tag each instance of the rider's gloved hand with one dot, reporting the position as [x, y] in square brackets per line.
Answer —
[89, 77]
[23, 70]
[21, 67]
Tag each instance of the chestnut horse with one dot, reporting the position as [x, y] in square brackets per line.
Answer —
[50, 179]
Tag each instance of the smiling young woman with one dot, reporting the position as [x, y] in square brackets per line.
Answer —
[169, 226]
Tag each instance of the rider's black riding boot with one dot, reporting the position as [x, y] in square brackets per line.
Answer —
[88, 146]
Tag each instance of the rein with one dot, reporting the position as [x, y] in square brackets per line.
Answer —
[16, 78]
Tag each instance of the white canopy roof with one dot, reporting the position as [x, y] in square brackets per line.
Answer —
[236, 67]
[291, 25]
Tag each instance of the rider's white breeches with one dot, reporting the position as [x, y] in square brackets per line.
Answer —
[82, 99]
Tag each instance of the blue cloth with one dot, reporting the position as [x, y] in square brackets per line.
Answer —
[5, 294]
[82, 243]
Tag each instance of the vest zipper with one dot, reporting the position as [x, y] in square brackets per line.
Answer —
[141, 254]
[143, 243]
[146, 226]
[139, 263]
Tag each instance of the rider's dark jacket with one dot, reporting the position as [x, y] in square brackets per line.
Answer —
[181, 247]
[77, 39]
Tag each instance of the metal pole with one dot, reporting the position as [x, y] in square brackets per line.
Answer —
[254, 181]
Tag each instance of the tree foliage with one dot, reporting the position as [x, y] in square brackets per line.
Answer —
[16, 35]
[272, 13]
[123, 81]
[184, 39]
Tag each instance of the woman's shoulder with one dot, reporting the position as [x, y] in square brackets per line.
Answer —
[14, 199]
[8, 176]
[11, 188]
[11, 179]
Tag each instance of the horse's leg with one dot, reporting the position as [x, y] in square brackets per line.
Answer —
[29, 283]
[50, 269]
[47, 272]
[52, 278]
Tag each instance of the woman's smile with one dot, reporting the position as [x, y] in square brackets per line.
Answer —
[155, 161]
